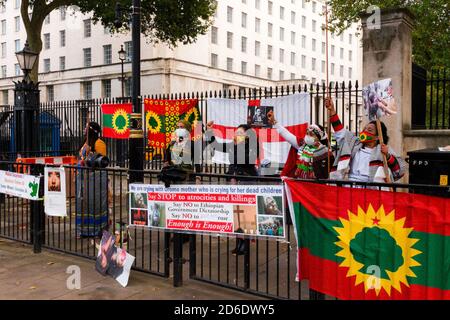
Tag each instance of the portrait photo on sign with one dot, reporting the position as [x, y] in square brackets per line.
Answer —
[379, 99]
[258, 116]
[138, 200]
[105, 252]
[244, 218]
[139, 217]
[54, 181]
[270, 205]
[271, 226]
[157, 214]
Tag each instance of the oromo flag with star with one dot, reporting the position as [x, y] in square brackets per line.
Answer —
[162, 117]
[116, 120]
[368, 244]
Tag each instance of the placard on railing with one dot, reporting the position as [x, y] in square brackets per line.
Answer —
[253, 210]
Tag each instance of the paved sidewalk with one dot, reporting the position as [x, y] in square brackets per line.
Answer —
[25, 275]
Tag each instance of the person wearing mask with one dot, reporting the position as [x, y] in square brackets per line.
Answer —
[360, 158]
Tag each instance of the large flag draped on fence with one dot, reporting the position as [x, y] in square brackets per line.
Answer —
[291, 111]
[162, 116]
[116, 120]
[369, 244]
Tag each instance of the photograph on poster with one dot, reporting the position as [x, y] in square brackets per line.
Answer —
[258, 116]
[157, 214]
[379, 99]
[139, 217]
[54, 181]
[244, 219]
[138, 200]
[270, 205]
[270, 226]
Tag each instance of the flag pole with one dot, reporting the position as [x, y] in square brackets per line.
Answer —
[380, 139]
[327, 87]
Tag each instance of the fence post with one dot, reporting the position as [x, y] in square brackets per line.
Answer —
[37, 218]
[247, 264]
[192, 256]
[177, 259]
[167, 259]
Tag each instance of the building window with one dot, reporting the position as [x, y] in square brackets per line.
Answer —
[244, 20]
[313, 64]
[243, 67]
[281, 56]
[269, 52]
[323, 67]
[303, 61]
[269, 29]
[230, 40]
[128, 50]
[341, 71]
[324, 46]
[3, 49]
[106, 88]
[257, 70]
[230, 14]
[313, 80]
[46, 65]
[314, 6]
[3, 27]
[314, 25]
[292, 58]
[128, 87]
[303, 4]
[341, 53]
[313, 44]
[282, 13]
[350, 55]
[243, 44]
[106, 30]
[281, 76]
[350, 73]
[87, 28]
[270, 7]
[269, 73]
[214, 60]
[47, 41]
[341, 37]
[87, 58]
[62, 38]
[303, 22]
[50, 93]
[293, 38]
[62, 13]
[229, 64]
[17, 24]
[332, 69]
[332, 50]
[17, 70]
[214, 32]
[257, 48]
[257, 25]
[62, 63]
[281, 34]
[292, 76]
[292, 17]
[47, 19]
[303, 42]
[87, 89]
[107, 54]
[5, 97]
[257, 4]
[3, 71]
[350, 39]
[17, 4]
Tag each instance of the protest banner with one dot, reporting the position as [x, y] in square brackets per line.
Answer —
[19, 185]
[55, 192]
[254, 210]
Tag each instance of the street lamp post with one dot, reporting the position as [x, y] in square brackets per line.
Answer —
[120, 150]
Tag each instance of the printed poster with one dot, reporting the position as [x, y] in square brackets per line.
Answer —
[55, 192]
[379, 99]
[19, 185]
[254, 210]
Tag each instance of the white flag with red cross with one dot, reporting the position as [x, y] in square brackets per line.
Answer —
[291, 111]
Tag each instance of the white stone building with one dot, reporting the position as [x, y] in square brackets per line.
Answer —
[252, 43]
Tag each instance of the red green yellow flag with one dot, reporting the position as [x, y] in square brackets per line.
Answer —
[162, 116]
[368, 244]
[116, 120]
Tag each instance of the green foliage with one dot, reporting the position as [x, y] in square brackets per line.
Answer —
[431, 37]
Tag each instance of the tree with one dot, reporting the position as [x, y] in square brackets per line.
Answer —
[431, 37]
[168, 21]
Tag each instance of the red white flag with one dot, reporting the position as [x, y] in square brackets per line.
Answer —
[291, 111]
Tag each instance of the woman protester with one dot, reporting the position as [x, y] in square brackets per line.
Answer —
[361, 158]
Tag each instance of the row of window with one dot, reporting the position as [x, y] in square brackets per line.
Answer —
[230, 63]
[270, 9]
[17, 4]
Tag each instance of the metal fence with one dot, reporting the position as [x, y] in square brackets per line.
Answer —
[62, 123]
[268, 267]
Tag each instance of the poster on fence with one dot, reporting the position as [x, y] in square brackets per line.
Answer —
[256, 210]
[55, 192]
[19, 185]
[379, 99]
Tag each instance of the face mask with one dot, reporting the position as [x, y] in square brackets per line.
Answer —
[310, 140]
[239, 139]
[366, 137]
[181, 133]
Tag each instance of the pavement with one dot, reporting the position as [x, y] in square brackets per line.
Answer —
[28, 276]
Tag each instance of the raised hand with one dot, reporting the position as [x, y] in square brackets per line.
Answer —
[271, 118]
[330, 106]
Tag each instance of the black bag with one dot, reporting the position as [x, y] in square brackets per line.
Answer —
[173, 174]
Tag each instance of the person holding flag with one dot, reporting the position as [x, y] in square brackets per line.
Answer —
[361, 158]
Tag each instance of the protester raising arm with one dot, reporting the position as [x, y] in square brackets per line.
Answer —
[285, 133]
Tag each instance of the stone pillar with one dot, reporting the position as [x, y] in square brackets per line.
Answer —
[387, 52]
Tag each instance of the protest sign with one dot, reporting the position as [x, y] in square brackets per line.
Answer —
[244, 209]
[19, 185]
[379, 100]
[55, 192]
